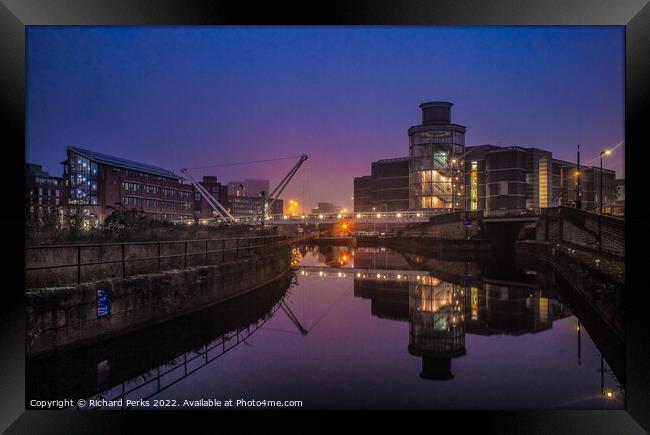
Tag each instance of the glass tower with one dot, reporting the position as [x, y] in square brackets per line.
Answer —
[436, 160]
[82, 176]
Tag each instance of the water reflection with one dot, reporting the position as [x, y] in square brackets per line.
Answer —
[436, 327]
[142, 364]
[441, 313]
[363, 327]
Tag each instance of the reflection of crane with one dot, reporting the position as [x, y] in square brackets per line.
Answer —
[293, 318]
[211, 200]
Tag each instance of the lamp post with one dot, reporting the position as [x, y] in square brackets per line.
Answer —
[578, 190]
[386, 208]
[374, 222]
[453, 199]
[600, 197]
[600, 201]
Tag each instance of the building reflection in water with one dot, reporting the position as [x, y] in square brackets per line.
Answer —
[334, 256]
[436, 327]
[440, 313]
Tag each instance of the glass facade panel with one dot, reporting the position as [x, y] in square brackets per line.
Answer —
[83, 180]
[543, 182]
[474, 186]
[435, 175]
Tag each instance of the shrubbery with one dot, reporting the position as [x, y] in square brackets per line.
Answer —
[124, 226]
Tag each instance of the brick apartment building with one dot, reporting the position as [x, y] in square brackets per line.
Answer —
[98, 184]
[43, 193]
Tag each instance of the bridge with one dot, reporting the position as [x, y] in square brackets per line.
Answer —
[369, 274]
[397, 275]
[391, 217]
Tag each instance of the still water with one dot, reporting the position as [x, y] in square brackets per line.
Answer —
[361, 328]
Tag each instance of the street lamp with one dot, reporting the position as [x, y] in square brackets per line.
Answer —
[386, 207]
[374, 223]
[600, 200]
[607, 152]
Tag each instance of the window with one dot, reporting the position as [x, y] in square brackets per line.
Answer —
[503, 187]
[543, 182]
[151, 189]
[130, 200]
[474, 187]
[127, 185]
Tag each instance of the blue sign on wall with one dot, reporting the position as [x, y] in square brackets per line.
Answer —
[467, 222]
[103, 302]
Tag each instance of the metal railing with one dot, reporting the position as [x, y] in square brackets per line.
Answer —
[112, 260]
[512, 212]
[374, 216]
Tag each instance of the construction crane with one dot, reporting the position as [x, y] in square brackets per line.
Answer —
[267, 202]
[275, 193]
[211, 200]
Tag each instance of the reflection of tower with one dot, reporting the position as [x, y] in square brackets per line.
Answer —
[436, 331]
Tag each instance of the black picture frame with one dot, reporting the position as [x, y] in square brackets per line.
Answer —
[15, 15]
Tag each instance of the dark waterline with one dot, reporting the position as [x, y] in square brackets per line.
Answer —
[360, 328]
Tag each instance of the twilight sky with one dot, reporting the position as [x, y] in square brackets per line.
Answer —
[180, 97]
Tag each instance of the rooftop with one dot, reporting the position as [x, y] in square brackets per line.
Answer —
[123, 163]
[395, 159]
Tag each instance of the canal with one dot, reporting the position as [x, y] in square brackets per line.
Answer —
[364, 327]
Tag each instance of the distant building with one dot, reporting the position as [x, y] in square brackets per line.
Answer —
[385, 189]
[589, 187]
[364, 191]
[391, 178]
[43, 193]
[619, 184]
[203, 210]
[510, 178]
[442, 173]
[326, 207]
[97, 184]
[251, 205]
[248, 187]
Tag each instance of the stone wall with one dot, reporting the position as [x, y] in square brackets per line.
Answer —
[65, 317]
[446, 226]
[139, 258]
[582, 228]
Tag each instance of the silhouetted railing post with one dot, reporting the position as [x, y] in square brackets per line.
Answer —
[123, 262]
[600, 234]
[158, 256]
[78, 264]
[186, 254]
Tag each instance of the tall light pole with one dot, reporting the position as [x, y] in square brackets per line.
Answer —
[386, 208]
[374, 222]
[578, 191]
[600, 200]
[600, 197]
